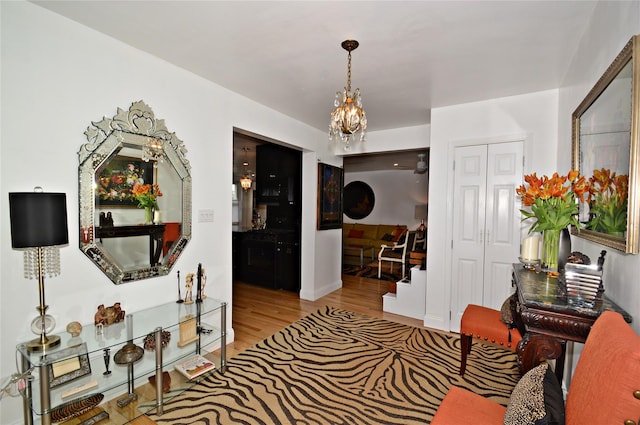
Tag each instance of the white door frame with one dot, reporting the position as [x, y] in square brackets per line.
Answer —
[519, 137]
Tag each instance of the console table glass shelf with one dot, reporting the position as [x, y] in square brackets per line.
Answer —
[86, 354]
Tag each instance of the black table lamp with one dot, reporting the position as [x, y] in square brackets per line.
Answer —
[38, 224]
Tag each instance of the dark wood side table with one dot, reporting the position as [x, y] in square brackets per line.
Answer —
[155, 232]
[547, 321]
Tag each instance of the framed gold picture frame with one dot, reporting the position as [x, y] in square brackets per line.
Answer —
[606, 137]
[68, 365]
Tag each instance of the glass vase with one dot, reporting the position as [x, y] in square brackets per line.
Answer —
[564, 248]
[148, 215]
[550, 248]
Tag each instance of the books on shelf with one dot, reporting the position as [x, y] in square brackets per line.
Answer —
[194, 366]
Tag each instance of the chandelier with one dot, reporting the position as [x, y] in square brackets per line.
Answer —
[153, 150]
[348, 118]
[245, 180]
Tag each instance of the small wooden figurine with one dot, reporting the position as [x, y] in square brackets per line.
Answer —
[188, 298]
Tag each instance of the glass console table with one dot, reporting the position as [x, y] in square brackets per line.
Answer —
[547, 320]
[80, 369]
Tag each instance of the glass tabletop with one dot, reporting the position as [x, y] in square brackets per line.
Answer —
[538, 290]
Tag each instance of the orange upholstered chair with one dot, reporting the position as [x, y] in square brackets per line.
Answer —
[171, 234]
[485, 324]
[605, 388]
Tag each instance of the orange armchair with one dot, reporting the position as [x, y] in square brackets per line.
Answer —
[605, 388]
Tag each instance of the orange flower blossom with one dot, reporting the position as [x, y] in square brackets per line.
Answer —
[552, 201]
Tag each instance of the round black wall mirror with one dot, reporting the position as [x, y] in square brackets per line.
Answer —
[358, 200]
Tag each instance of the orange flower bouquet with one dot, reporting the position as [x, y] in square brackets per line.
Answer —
[553, 200]
[553, 203]
[608, 195]
[147, 195]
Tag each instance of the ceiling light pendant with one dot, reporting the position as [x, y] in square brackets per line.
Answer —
[348, 118]
[245, 181]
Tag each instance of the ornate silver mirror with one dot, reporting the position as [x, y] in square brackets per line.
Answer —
[135, 195]
[606, 143]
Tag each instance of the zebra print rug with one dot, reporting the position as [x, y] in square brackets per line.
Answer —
[339, 367]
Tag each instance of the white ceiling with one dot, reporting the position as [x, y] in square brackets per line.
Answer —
[413, 55]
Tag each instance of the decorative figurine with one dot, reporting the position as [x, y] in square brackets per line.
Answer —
[188, 298]
[106, 316]
[180, 300]
[100, 317]
[199, 287]
[107, 358]
[204, 283]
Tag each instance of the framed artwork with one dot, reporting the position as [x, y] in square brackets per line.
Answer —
[330, 180]
[358, 200]
[73, 366]
[116, 180]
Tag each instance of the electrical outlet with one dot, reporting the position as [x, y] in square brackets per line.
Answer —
[205, 216]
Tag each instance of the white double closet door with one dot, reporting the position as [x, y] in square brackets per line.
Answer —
[486, 225]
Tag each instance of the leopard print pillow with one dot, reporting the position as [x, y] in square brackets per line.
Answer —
[526, 405]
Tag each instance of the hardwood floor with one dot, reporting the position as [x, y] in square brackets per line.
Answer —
[260, 312]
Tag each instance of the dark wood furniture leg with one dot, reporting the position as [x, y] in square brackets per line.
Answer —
[535, 348]
[465, 349]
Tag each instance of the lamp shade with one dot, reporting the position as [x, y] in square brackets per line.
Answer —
[38, 219]
[420, 212]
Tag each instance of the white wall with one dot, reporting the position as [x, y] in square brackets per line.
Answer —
[396, 195]
[611, 27]
[531, 117]
[397, 139]
[57, 77]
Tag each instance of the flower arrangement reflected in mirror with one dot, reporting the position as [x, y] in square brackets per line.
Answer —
[608, 197]
[147, 197]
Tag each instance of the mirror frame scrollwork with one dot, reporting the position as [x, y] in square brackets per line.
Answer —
[630, 54]
[128, 128]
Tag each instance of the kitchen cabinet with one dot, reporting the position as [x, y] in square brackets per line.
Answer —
[278, 175]
[269, 258]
